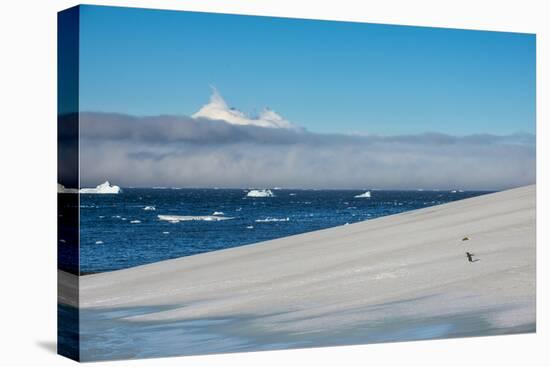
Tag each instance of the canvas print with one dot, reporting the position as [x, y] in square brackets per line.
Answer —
[232, 183]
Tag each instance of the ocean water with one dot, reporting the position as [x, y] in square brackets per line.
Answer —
[117, 232]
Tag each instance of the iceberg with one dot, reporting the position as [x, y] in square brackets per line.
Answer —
[185, 218]
[63, 190]
[265, 193]
[104, 188]
[366, 194]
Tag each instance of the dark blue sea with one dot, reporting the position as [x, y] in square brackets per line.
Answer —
[117, 232]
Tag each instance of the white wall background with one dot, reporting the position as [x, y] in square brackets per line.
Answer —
[28, 181]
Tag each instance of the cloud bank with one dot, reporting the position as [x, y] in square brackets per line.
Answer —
[184, 151]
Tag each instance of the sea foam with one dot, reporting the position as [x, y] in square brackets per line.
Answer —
[269, 219]
[185, 218]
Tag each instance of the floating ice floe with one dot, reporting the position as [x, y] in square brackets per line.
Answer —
[149, 207]
[185, 218]
[63, 190]
[269, 219]
[264, 193]
[135, 221]
[104, 188]
[366, 194]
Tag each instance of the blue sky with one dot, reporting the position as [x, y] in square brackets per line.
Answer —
[324, 76]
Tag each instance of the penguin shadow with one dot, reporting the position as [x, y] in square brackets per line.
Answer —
[470, 257]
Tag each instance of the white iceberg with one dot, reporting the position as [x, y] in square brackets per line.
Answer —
[185, 218]
[265, 193]
[366, 194]
[104, 188]
[63, 190]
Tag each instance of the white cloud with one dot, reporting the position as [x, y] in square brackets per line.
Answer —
[217, 109]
